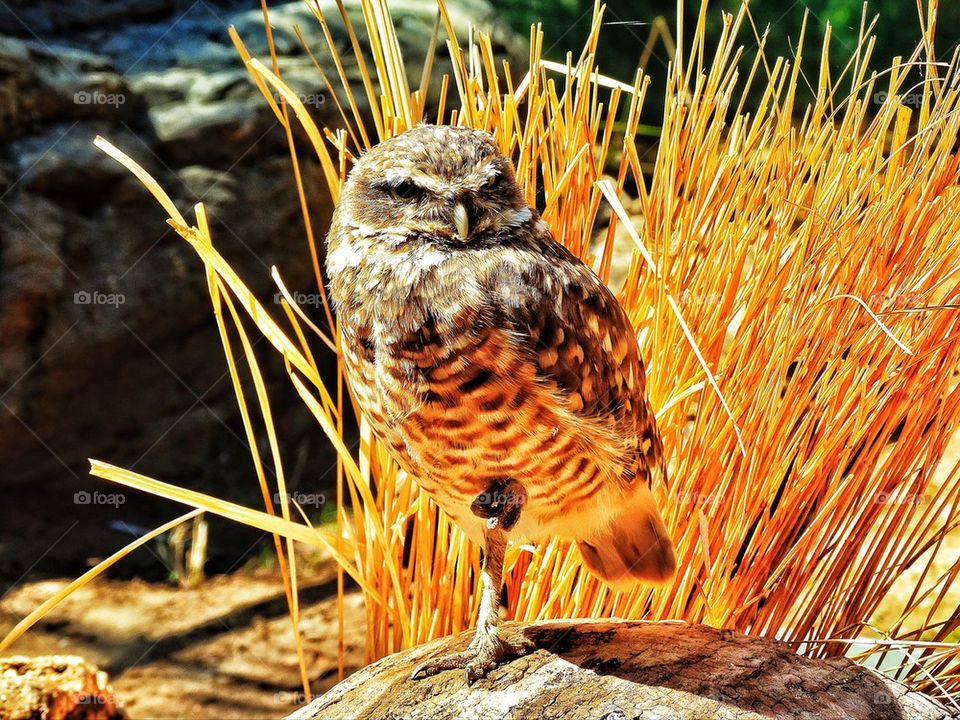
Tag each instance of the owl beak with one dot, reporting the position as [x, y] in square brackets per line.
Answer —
[461, 221]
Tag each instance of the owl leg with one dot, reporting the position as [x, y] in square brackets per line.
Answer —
[488, 649]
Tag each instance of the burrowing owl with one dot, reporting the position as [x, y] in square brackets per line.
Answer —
[501, 372]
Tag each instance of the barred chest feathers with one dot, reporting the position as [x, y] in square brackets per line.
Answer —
[436, 370]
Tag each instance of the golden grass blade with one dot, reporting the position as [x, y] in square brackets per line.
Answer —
[238, 513]
[603, 80]
[298, 181]
[306, 121]
[295, 307]
[216, 297]
[354, 472]
[286, 560]
[877, 320]
[258, 81]
[143, 176]
[214, 260]
[47, 605]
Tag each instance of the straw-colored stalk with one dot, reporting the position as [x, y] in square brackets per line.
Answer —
[794, 288]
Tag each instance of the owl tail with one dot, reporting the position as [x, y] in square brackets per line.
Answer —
[633, 545]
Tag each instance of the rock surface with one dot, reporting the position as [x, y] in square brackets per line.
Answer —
[221, 649]
[55, 687]
[619, 670]
[107, 344]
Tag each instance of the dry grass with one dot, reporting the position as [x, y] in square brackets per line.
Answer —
[794, 290]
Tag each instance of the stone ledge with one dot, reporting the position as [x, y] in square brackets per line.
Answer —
[615, 670]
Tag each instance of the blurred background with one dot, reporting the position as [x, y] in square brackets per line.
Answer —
[108, 347]
[641, 32]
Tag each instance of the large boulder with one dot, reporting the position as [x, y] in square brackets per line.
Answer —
[108, 347]
[618, 670]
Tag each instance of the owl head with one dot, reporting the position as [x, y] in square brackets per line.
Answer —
[435, 185]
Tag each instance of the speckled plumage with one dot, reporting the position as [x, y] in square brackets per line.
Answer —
[482, 350]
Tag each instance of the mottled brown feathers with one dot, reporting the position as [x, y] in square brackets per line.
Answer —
[481, 349]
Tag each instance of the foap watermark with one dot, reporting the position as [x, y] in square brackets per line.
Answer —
[302, 499]
[703, 100]
[301, 298]
[695, 498]
[911, 100]
[290, 697]
[307, 99]
[715, 695]
[85, 497]
[97, 698]
[897, 299]
[97, 297]
[882, 698]
[99, 97]
[888, 498]
[500, 498]
[689, 299]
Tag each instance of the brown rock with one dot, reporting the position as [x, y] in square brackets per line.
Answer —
[55, 687]
[619, 670]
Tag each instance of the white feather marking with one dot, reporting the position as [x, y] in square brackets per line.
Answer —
[521, 216]
[395, 176]
[345, 255]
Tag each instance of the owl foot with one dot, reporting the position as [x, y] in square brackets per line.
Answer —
[500, 504]
[485, 653]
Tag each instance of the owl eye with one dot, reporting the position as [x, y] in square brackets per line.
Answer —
[406, 190]
[492, 181]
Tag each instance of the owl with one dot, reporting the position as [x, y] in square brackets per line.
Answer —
[497, 368]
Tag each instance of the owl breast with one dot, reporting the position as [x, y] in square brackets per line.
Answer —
[460, 407]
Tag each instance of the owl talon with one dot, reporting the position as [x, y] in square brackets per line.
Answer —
[480, 658]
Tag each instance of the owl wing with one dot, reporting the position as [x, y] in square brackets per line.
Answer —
[584, 348]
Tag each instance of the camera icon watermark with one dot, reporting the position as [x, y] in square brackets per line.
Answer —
[96, 297]
[98, 97]
[499, 498]
[85, 497]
